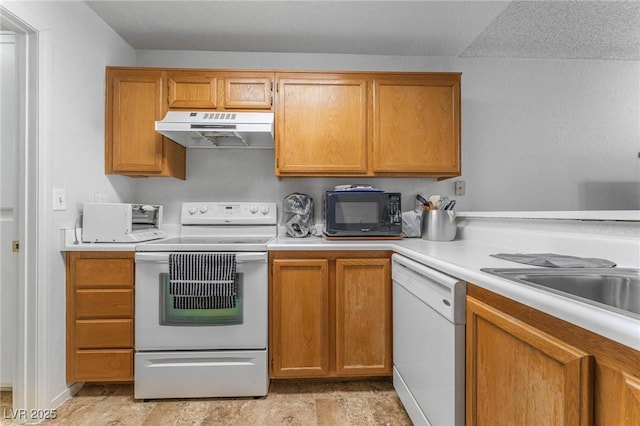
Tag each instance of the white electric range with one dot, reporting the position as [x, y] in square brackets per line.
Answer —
[202, 304]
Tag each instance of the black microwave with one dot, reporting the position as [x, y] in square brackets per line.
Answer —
[354, 213]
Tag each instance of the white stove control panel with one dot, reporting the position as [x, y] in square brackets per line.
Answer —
[229, 213]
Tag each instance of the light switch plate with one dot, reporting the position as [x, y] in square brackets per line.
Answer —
[59, 199]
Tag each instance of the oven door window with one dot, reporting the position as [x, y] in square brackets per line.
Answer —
[197, 311]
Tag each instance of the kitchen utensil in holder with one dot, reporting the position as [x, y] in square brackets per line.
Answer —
[438, 225]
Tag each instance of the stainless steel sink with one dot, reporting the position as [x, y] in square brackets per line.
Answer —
[615, 289]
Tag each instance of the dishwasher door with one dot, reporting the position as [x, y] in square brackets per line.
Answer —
[428, 343]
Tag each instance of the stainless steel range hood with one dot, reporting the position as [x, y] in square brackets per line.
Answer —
[211, 129]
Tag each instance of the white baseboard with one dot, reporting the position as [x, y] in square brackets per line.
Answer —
[66, 394]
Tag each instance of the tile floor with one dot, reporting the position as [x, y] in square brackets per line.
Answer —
[288, 403]
[5, 407]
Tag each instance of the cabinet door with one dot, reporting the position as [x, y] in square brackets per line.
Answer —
[192, 89]
[363, 317]
[299, 336]
[631, 400]
[248, 92]
[517, 374]
[135, 101]
[617, 396]
[416, 125]
[321, 125]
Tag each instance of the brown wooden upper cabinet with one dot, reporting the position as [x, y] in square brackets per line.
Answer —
[368, 124]
[192, 89]
[219, 90]
[321, 124]
[135, 99]
[327, 123]
[416, 124]
[248, 90]
[138, 97]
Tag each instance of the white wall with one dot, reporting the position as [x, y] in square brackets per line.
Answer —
[551, 135]
[536, 134]
[72, 148]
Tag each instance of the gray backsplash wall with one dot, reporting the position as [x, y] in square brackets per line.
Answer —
[536, 135]
[248, 175]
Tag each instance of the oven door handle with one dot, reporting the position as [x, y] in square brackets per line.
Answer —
[163, 257]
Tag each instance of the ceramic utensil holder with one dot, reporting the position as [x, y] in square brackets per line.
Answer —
[439, 225]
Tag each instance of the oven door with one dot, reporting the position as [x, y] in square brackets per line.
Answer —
[162, 324]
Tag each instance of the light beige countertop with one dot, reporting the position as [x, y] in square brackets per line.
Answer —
[69, 242]
[477, 239]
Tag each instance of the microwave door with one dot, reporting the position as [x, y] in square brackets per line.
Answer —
[351, 214]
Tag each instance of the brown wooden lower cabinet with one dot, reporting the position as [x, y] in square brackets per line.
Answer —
[516, 372]
[528, 367]
[111, 333]
[100, 315]
[103, 365]
[330, 314]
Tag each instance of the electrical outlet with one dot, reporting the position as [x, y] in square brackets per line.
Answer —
[459, 187]
[59, 199]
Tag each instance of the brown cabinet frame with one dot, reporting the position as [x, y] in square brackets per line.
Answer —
[100, 323]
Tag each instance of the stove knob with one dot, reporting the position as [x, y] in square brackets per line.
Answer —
[264, 210]
[253, 209]
[203, 209]
[193, 210]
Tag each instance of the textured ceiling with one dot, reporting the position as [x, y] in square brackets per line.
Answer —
[535, 29]
[562, 30]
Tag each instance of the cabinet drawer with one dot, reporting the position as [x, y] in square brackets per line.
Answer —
[104, 365]
[103, 272]
[92, 304]
[104, 334]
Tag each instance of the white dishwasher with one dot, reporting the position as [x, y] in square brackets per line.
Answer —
[428, 343]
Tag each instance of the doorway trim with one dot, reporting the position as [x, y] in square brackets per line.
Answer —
[31, 383]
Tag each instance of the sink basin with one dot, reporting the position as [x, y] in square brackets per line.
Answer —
[615, 289]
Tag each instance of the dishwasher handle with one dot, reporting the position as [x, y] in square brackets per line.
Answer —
[438, 277]
[441, 292]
